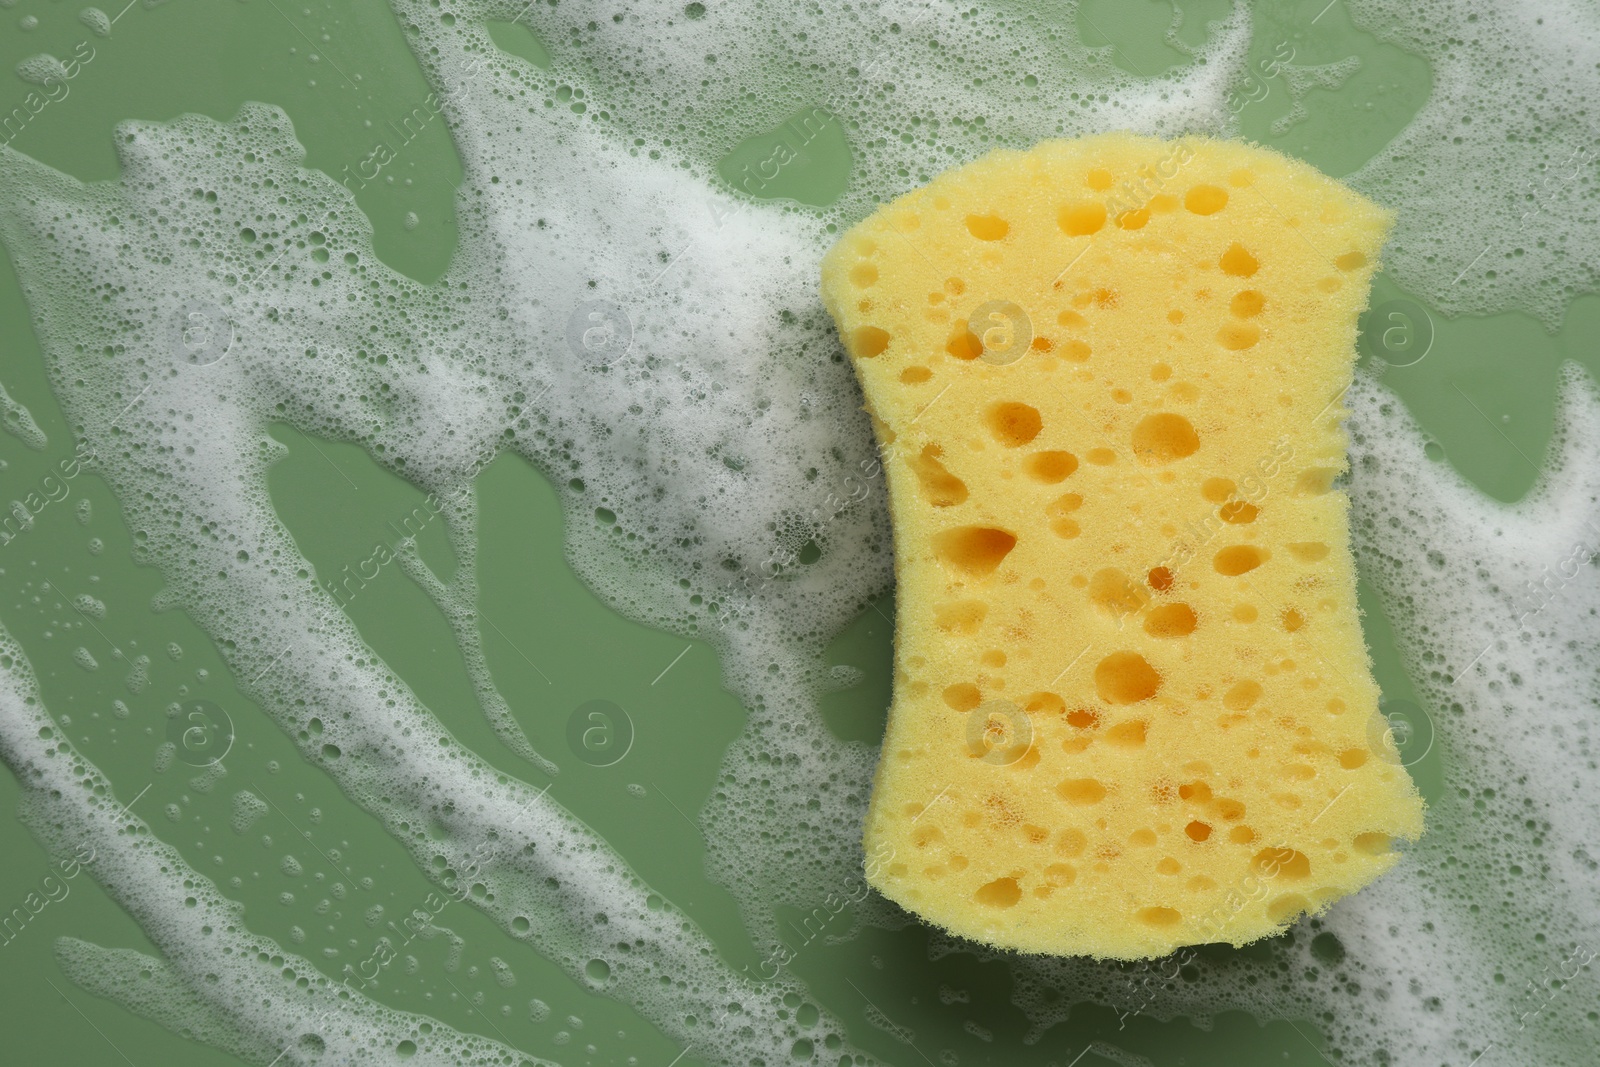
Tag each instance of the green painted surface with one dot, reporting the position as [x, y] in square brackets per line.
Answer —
[342, 72]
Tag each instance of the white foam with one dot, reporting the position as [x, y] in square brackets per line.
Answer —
[1496, 175]
[190, 432]
[215, 979]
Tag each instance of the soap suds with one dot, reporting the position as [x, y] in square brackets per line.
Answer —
[215, 980]
[1497, 175]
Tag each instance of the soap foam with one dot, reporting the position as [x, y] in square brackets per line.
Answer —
[723, 440]
[1497, 172]
[216, 980]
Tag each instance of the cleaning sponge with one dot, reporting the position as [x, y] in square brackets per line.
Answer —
[1133, 709]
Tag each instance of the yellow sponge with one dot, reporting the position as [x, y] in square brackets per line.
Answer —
[1132, 709]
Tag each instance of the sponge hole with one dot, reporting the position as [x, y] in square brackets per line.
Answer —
[1060, 875]
[1238, 336]
[988, 227]
[1238, 262]
[1159, 917]
[1130, 734]
[868, 341]
[1286, 907]
[1058, 510]
[1050, 467]
[916, 375]
[1047, 703]
[1372, 843]
[964, 344]
[1308, 551]
[1238, 512]
[1115, 593]
[1281, 863]
[939, 487]
[1164, 437]
[1241, 696]
[963, 696]
[1083, 719]
[863, 275]
[1351, 261]
[1170, 620]
[1013, 424]
[1206, 199]
[1238, 559]
[1081, 791]
[1082, 217]
[975, 551]
[1125, 678]
[1000, 893]
[1314, 481]
[1062, 506]
[1247, 304]
[960, 617]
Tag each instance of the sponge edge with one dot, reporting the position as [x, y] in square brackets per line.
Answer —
[1133, 709]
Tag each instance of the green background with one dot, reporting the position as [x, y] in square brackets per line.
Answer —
[1484, 394]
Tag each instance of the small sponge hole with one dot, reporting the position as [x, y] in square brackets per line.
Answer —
[1050, 467]
[1013, 424]
[1206, 199]
[987, 227]
[1159, 917]
[868, 341]
[1082, 218]
[973, 550]
[1164, 437]
[1125, 678]
[1000, 893]
[1238, 262]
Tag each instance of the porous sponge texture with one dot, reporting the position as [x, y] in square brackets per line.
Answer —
[1133, 708]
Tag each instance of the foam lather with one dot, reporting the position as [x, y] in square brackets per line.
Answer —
[1133, 708]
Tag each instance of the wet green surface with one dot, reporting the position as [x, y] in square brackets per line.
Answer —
[1484, 393]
